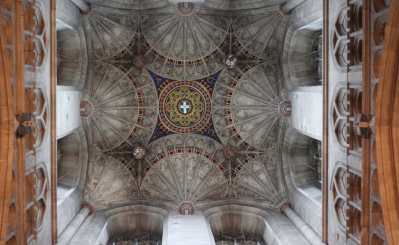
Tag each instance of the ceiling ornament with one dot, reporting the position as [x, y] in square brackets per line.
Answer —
[86, 108]
[138, 61]
[245, 108]
[185, 106]
[283, 205]
[230, 152]
[186, 208]
[88, 206]
[185, 8]
[88, 11]
[230, 61]
[285, 108]
[124, 108]
[139, 152]
[282, 10]
[184, 45]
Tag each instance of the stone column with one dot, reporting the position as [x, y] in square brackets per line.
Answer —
[178, 229]
[82, 5]
[291, 4]
[307, 111]
[74, 225]
[286, 8]
[68, 114]
[300, 224]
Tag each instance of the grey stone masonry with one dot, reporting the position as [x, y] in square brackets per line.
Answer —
[81, 4]
[73, 227]
[191, 229]
[303, 227]
[291, 4]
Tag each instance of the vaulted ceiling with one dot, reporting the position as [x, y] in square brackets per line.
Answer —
[193, 92]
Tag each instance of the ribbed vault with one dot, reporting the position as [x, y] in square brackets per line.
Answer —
[245, 107]
[183, 168]
[184, 46]
[124, 108]
[254, 33]
[240, 4]
[131, 4]
[111, 33]
[135, 54]
[138, 223]
[111, 183]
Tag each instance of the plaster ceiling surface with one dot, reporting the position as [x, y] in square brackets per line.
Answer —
[160, 82]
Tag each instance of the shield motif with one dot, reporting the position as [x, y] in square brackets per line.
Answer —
[184, 107]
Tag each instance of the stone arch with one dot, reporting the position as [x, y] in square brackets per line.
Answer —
[298, 46]
[237, 227]
[69, 161]
[268, 224]
[140, 226]
[305, 167]
[137, 223]
[302, 190]
[305, 54]
[72, 61]
[69, 56]
[72, 160]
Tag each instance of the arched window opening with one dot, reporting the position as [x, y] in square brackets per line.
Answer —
[302, 158]
[137, 240]
[306, 55]
[302, 166]
[69, 55]
[138, 228]
[316, 58]
[69, 159]
[237, 229]
[315, 159]
[235, 239]
[70, 77]
[234, 224]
